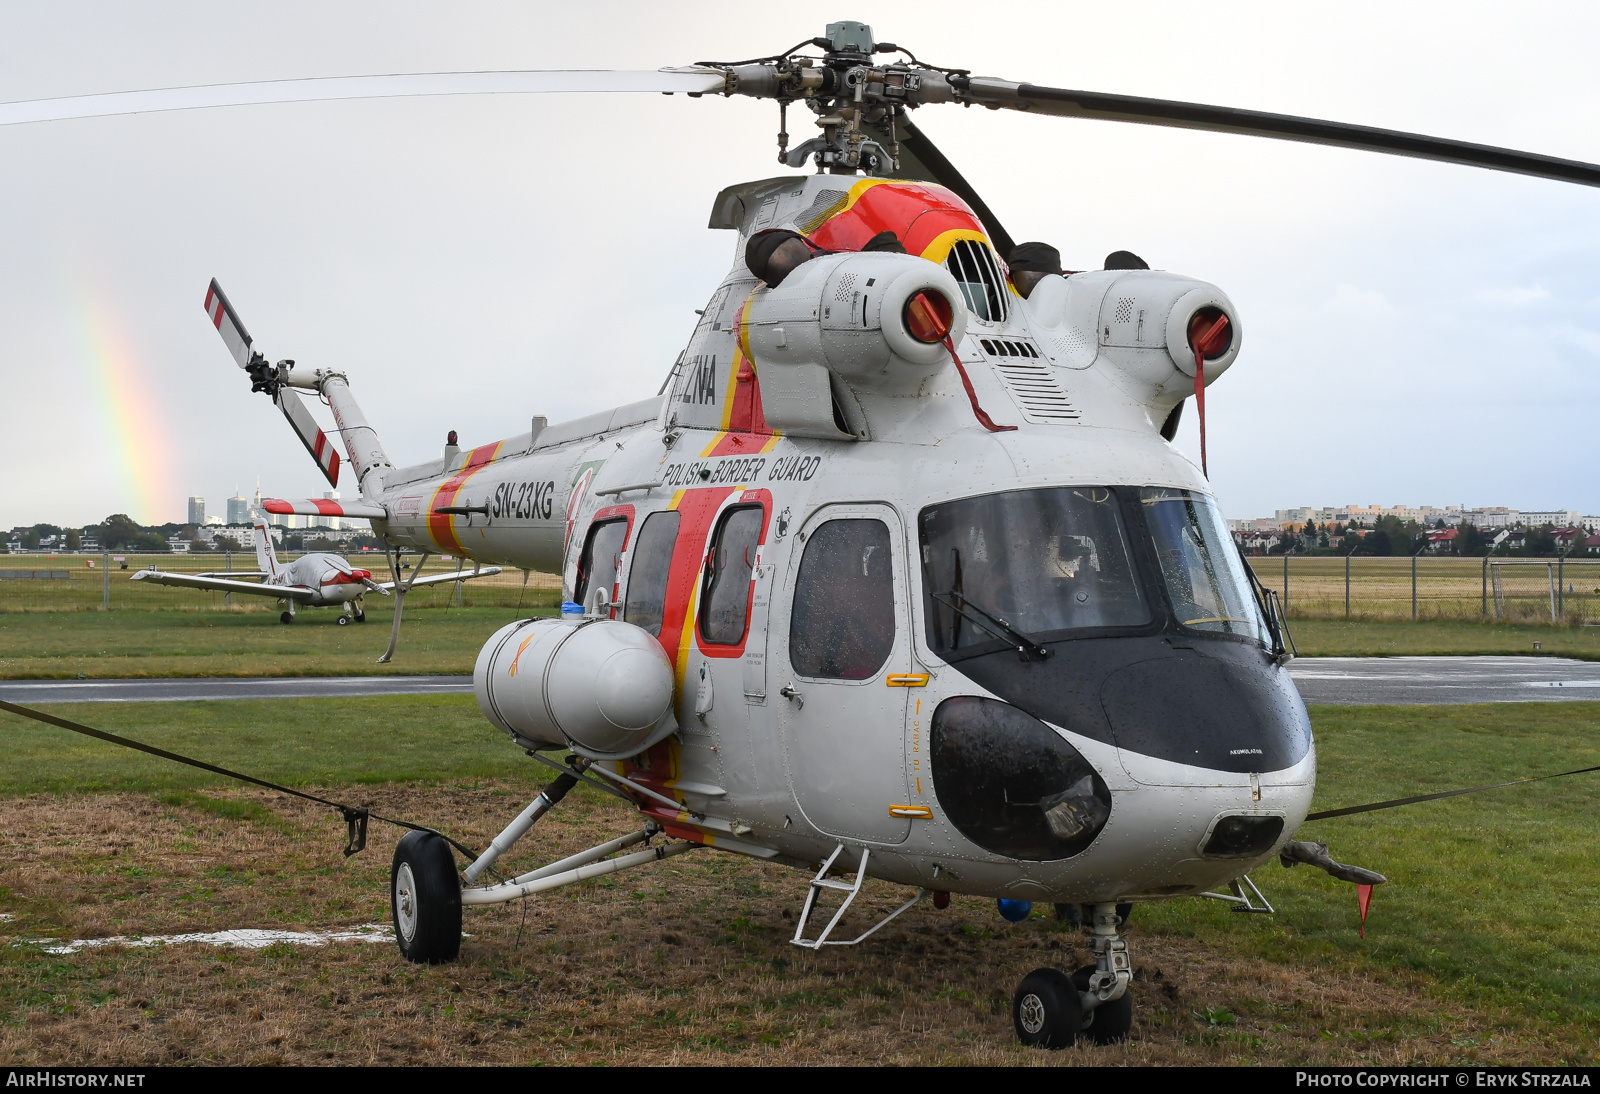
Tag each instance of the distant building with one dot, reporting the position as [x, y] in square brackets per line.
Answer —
[1441, 541]
[178, 544]
[238, 509]
[1561, 518]
[1569, 540]
[245, 535]
[197, 510]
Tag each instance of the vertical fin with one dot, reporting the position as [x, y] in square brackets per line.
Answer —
[266, 557]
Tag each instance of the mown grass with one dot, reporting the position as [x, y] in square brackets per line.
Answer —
[289, 741]
[1384, 638]
[65, 645]
[1490, 896]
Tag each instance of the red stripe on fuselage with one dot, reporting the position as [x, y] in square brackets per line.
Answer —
[441, 526]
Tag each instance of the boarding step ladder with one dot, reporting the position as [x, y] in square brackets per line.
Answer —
[850, 889]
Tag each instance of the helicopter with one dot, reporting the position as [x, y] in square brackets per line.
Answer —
[899, 576]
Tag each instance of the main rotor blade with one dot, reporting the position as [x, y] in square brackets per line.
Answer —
[920, 158]
[1223, 119]
[690, 81]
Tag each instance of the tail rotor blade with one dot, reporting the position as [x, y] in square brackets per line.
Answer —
[226, 320]
[310, 433]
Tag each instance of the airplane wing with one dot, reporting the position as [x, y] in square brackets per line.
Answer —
[437, 579]
[228, 575]
[252, 588]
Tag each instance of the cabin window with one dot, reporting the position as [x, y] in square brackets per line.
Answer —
[598, 565]
[977, 274]
[1034, 562]
[730, 566]
[646, 605]
[843, 622]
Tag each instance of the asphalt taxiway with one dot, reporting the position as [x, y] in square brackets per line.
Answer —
[1341, 680]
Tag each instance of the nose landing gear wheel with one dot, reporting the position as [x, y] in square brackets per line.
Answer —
[1109, 1023]
[1046, 1010]
[361, 617]
[425, 899]
[286, 618]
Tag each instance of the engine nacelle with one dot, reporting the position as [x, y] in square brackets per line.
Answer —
[850, 315]
[1136, 322]
[601, 687]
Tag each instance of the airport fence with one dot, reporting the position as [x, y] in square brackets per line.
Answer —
[100, 582]
[1517, 590]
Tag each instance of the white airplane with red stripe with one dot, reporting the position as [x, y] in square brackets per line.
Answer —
[317, 579]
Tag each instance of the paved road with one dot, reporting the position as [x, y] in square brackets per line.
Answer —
[1352, 680]
[30, 692]
[1366, 680]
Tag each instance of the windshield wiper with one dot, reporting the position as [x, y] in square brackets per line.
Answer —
[1026, 644]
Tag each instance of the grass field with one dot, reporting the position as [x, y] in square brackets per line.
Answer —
[68, 583]
[1478, 950]
[64, 645]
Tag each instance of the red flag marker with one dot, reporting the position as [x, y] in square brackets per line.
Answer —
[1364, 898]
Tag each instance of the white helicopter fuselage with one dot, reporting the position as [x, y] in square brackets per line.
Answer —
[1062, 564]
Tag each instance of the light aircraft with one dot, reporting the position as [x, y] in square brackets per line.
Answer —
[317, 579]
[899, 576]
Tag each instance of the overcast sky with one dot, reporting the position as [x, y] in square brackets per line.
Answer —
[1413, 332]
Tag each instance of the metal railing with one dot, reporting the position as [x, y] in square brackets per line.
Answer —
[1564, 591]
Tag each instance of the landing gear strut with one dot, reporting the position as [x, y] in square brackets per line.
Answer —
[1051, 1010]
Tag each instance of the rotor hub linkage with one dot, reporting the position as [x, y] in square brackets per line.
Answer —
[846, 90]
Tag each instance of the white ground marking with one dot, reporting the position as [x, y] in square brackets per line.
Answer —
[248, 938]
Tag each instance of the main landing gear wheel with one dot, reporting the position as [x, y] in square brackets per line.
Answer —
[1046, 1010]
[286, 618]
[344, 621]
[425, 899]
[1109, 1023]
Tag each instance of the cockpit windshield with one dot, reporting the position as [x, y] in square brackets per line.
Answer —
[1204, 574]
[1028, 561]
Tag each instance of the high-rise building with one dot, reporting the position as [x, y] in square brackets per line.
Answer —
[197, 510]
[238, 508]
[330, 522]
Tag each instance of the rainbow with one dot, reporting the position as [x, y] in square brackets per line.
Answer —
[136, 443]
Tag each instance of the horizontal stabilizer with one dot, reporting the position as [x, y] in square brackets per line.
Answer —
[439, 579]
[196, 581]
[324, 507]
[223, 317]
[309, 432]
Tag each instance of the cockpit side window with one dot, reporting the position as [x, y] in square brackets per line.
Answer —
[730, 565]
[842, 627]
